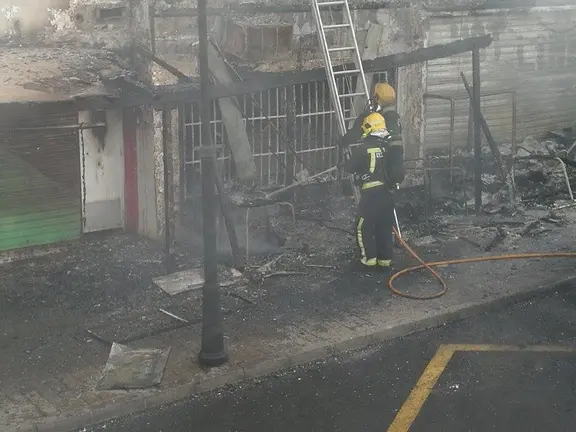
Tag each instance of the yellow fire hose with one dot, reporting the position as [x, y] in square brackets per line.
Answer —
[429, 266]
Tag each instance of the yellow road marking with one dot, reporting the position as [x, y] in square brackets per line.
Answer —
[511, 348]
[436, 367]
[421, 391]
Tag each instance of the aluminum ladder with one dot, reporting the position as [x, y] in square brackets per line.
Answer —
[334, 69]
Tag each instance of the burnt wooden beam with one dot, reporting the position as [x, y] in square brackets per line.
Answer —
[132, 88]
[162, 63]
[182, 93]
[496, 5]
[476, 108]
[173, 95]
[265, 7]
[484, 126]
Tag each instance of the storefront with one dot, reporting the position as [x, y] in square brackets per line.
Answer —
[40, 175]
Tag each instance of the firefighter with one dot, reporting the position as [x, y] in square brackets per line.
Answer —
[377, 165]
[383, 100]
[386, 100]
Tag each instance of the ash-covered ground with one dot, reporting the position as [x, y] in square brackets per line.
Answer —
[115, 272]
[436, 214]
[105, 283]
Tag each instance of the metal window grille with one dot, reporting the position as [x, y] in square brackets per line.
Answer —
[265, 120]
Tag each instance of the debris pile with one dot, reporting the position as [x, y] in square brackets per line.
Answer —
[540, 175]
[535, 189]
[488, 234]
[321, 238]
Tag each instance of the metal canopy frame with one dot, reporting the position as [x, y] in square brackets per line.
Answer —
[452, 101]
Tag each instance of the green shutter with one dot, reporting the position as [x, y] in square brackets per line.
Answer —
[39, 182]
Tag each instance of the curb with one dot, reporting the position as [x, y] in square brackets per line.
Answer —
[311, 353]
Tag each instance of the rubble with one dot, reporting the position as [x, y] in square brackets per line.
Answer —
[321, 239]
[500, 236]
[566, 136]
[539, 180]
[321, 243]
[425, 241]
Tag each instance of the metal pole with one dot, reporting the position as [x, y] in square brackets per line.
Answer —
[513, 169]
[182, 143]
[298, 183]
[477, 130]
[152, 25]
[212, 351]
[290, 138]
[80, 126]
[168, 190]
[248, 9]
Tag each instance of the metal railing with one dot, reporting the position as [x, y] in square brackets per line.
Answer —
[265, 117]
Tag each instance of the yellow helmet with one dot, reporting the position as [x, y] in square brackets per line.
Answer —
[384, 94]
[373, 123]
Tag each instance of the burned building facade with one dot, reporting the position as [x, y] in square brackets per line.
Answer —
[81, 56]
[526, 84]
[253, 45]
[72, 159]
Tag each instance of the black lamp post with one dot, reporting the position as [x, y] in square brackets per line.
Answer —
[212, 352]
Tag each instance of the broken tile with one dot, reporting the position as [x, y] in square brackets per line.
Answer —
[180, 282]
[129, 368]
[189, 280]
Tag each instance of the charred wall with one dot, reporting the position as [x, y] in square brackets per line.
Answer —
[401, 28]
[77, 23]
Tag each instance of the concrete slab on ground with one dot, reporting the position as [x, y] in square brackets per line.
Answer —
[129, 369]
[179, 282]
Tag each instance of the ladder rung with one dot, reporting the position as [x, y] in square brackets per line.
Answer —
[336, 26]
[344, 72]
[352, 95]
[331, 3]
[348, 48]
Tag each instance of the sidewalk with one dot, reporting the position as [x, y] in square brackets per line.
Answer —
[51, 365]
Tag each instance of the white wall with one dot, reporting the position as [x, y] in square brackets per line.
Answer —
[533, 54]
[103, 174]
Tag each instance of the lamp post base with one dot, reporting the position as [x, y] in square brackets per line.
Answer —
[212, 359]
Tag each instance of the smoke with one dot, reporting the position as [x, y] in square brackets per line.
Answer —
[27, 16]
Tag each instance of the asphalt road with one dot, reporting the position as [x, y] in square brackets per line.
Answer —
[512, 370]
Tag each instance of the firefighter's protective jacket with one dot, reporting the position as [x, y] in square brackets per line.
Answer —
[392, 124]
[378, 161]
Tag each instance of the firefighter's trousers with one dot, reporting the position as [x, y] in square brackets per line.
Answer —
[374, 224]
